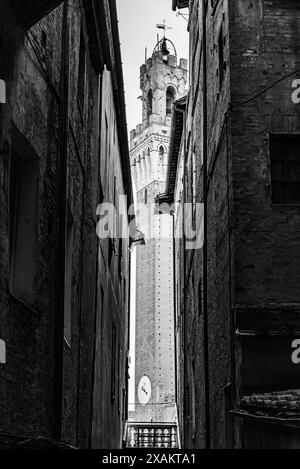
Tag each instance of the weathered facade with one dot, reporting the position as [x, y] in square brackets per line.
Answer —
[63, 292]
[238, 297]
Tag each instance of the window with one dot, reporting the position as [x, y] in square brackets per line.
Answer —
[23, 217]
[221, 57]
[161, 150]
[149, 103]
[68, 276]
[170, 98]
[285, 168]
[146, 196]
[82, 72]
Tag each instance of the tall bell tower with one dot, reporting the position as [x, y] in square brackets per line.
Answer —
[162, 81]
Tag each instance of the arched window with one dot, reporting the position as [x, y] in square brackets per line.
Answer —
[170, 98]
[161, 150]
[149, 103]
[148, 151]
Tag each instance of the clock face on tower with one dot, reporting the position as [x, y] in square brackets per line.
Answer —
[144, 390]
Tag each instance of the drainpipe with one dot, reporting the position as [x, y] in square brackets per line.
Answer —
[58, 391]
[205, 309]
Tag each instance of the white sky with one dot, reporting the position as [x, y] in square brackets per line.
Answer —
[137, 25]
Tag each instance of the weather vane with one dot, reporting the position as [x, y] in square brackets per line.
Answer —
[163, 26]
[164, 48]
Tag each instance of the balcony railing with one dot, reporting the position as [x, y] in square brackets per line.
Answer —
[151, 435]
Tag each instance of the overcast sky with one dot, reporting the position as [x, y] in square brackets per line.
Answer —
[137, 24]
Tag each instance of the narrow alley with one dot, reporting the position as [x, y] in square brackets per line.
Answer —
[149, 275]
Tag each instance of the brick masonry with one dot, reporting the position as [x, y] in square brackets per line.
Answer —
[253, 246]
[31, 64]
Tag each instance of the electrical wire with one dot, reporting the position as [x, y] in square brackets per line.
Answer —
[242, 103]
[183, 16]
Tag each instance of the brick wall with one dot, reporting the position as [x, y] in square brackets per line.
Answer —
[253, 245]
[32, 61]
